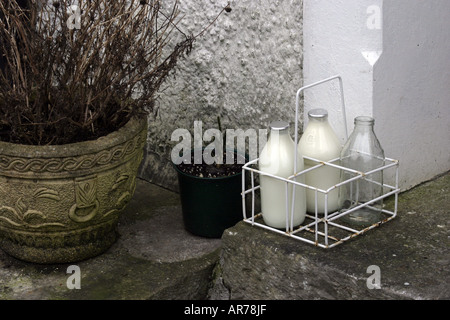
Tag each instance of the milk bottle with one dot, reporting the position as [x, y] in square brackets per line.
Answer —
[277, 158]
[362, 152]
[320, 142]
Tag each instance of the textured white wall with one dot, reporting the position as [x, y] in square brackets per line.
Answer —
[246, 68]
[402, 83]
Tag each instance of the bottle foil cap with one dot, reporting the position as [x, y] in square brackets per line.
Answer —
[279, 125]
[318, 113]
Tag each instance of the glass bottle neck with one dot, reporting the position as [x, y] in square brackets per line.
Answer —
[364, 123]
[318, 120]
[280, 137]
[279, 133]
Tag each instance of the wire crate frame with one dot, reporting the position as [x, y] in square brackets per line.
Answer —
[324, 230]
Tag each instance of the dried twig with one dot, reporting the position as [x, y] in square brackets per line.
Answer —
[60, 85]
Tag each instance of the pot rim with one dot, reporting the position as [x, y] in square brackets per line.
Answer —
[131, 128]
[212, 178]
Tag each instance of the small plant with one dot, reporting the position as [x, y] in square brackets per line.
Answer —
[62, 85]
[218, 151]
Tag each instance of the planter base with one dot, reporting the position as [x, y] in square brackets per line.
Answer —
[53, 248]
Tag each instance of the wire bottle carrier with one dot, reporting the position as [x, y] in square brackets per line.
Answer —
[323, 230]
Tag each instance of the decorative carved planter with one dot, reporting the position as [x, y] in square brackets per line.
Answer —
[61, 204]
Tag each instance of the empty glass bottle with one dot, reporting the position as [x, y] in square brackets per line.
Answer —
[362, 152]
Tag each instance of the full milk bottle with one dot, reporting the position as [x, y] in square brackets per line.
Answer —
[320, 142]
[277, 158]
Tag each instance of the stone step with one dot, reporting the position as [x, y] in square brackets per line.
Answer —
[154, 258]
[411, 253]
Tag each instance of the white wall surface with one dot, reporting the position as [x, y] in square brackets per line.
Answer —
[412, 88]
[398, 73]
[335, 37]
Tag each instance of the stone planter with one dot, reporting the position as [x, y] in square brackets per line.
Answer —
[61, 204]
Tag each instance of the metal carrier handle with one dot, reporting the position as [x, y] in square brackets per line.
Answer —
[297, 103]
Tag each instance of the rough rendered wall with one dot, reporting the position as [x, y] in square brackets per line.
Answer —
[246, 68]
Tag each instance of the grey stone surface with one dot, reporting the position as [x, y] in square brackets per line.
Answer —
[245, 68]
[155, 258]
[412, 252]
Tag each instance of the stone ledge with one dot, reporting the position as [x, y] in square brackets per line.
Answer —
[411, 252]
[154, 258]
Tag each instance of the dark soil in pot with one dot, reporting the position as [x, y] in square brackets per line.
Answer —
[211, 171]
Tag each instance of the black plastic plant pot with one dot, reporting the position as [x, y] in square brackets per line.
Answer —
[210, 205]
